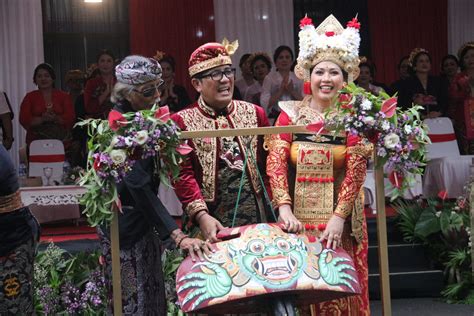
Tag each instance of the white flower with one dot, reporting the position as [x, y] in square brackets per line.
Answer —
[385, 125]
[142, 137]
[391, 140]
[438, 214]
[157, 148]
[128, 141]
[369, 120]
[118, 156]
[453, 212]
[381, 152]
[114, 173]
[366, 105]
[358, 124]
[114, 141]
[408, 129]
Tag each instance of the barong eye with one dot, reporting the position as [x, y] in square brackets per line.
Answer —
[256, 246]
[282, 244]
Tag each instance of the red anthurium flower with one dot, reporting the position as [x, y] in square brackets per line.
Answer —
[354, 23]
[315, 127]
[311, 238]
[395, 179]
[184, 149]
[329, 34]
[305, 21]
[307, 226]
[118, 205]
[443, 195]
[344, 100]
[321, 227]
[116, 119]
[163, 113]
[96, 163]
[389, 107]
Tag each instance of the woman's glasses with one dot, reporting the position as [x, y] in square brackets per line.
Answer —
[149, 92]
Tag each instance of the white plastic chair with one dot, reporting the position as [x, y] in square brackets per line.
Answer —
[447, 170]
[46, 153]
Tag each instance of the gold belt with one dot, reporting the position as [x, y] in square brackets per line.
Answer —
[10, 203]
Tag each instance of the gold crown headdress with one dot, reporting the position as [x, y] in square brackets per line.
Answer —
[415, 52]
[329, 42]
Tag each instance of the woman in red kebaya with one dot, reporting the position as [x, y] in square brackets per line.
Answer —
[46, 113]
[97, 91]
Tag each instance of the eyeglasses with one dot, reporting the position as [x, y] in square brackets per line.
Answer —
[217, 75]
[149, 92]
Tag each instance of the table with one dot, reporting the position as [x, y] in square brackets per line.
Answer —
[53, 203]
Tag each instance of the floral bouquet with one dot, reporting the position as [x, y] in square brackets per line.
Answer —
[116, 144]
[399, 136]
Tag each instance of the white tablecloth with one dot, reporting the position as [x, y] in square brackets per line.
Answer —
[53, 203]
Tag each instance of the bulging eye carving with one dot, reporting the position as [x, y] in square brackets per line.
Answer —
[256, 246]
[282, 244]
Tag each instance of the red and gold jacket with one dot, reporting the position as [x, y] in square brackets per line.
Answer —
[328, 172]
[198, 180]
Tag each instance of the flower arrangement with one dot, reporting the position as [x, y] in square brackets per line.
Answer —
[399, 136]
[67, 284]
[116, 144]
[443, 226]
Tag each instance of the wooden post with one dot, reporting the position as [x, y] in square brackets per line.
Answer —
[382, 241]
[116, 278]
[471, 212]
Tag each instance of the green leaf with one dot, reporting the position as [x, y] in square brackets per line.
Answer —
[444, 223]
[427, 224]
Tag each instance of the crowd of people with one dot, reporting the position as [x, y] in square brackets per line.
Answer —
[282, 91]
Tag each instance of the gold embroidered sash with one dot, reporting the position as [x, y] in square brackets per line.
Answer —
[314, 185]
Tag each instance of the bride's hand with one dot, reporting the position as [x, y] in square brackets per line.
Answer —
[286, 216]
[333, 232]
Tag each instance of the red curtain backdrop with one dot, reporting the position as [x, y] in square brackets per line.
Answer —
[176, 27]
[398, 26]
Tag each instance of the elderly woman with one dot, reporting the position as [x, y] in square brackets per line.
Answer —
[325, 173]
[144, 220]
[19, 232]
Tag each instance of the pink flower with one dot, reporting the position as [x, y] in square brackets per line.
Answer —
[184, 149]
[163, 113]
[389, 107]
[116, 120]
[305, 21]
